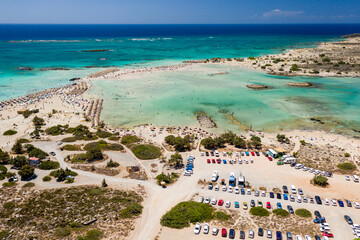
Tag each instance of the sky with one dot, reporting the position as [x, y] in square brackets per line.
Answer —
[179, 11]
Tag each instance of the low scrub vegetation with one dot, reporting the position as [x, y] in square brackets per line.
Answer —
[320, 181]
[167, 179]
[93, 234]
[49, 165]
[281, 212]
[180, 144]
[348, 167]
[301, 212]
[9, 132]
[129, 139]
[71, 147]
[103, 145]
[146, 151]
[92, 155]
[259, 211]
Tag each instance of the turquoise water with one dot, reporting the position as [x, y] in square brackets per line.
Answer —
[124, 51]
[172, 98]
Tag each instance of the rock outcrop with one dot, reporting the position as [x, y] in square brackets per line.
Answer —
[257, 86]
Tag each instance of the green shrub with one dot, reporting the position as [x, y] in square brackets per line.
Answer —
[301, 212]
[26, 171]
[128, 139]
[170, 178]
[135, 209]
[69, 139]
[185, 213]
[259, 211]
[48, 165]
[62, 174]
[56, 130]
[103, 134]
[221, 216]
[29, 185]
[4, 234]
[295, 67]
[46, 179]
[69, 147]
[9, 205]
[115, 147]
[9, 132]
[9, 184]
[320, 180]
[23, 140]
[281, 212]
[347, 166]
[146, 151]
[92, 235]
[3, 169]
[62, 232]
[69, 180]
[111, 164]
[347, 154]
[114, 138]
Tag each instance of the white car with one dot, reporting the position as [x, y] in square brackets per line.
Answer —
[213, 201]
[356, 205]
[316, 172]
[326, 202]
[304, 199]
[311, 170]
[251, 160]
[230, 190]
[237, 191]
[200, 200]
[248, 191]
[215, 231]
[305, 168]
[187, 173]
[236, 154]
[324, 229]
[347, 178]
[202, 154]
[197, 228]
[227, 204]
[307, 237]
[323, 173]
[207, 200]
[311, 200]
[324, 225]
[298, 199]
[298, 237]
[263, 194]
[251, 233]
[292, 198]
[206, 228]
[224, 188]
[333, 202]
[268, 234]
[240, 161]
[216, 188]
[246, 161]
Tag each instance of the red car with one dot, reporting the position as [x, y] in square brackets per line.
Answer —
[213, 161]
[252, 154]
[218, 161]
[221, 202]
[327, 234]
[268, 205]
[270, 158]
[223, 232]
[208, 161]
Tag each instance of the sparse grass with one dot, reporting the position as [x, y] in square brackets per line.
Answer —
[93, 234]
[71, 147]
[62, 232]
[128, 139]
[9, 184]
[29, 185]
[69, 139]
[348, 167]
[281, 212]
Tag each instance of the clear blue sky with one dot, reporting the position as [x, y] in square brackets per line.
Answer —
[179, 11]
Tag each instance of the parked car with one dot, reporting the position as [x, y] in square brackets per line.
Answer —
[278, 195]
[261, 232]
[213, 201]
[278, 235]
[327, 234]
[236, 190]
[223, 232]
[200, 200]
[326, 201]
[279, 205]
[197, 228]
[242, 191]
[259, 203]
[285, 196]
[207, 200]
[232, 233]
[341, 203]
[318, 200]
[268, 233]
[237, 205]
[290, 209]
[347, 178]
[210, 187]
[252, 203]
[206, 228]
[317, 237]
[271, 195]
[333, 202]
[356, 205]
[215, 231]
[245, 206]
[348, 203]
[227, 204]
[348, 219]
[248, 191]
[300, 191]
[289, 236]
[285, 189]
[221, 202]
[242, 235]
[251, 233]
[292, 198]
[256, 193]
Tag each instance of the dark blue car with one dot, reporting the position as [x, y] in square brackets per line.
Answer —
[242, 191]
[278, 235]
[341, 203]
[271, 195]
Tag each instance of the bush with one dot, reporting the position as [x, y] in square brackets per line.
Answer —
[320, 180]
[46, 179]
[281, 212]
[347, 166]
[62, 232]
[259, 211]
[180, 144]
[128, 139]
[114, 138]
[3, 169]
[301, 212]
[347, 154]
[48, 165]
[111, 164]
[9, 184]
[170, 178]
[135, 209]
[146, 151]
[4, 234]
[185, 213]
[29, 185]
[295, 67]
[69, 139]
[19, 161]
[69, 147]
[62, 174]
[10, 132]
[221, 216]
[56, 130]
[26, 172]
[4, 157]
[92, 235]
[23, 140]
[103, 134]
[69, 180]
[115, 147]
[36, 152]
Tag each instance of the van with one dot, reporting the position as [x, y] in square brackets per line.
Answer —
[355, 178]
[293, 189]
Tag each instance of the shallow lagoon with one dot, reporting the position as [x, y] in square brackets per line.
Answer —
[173, 98]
